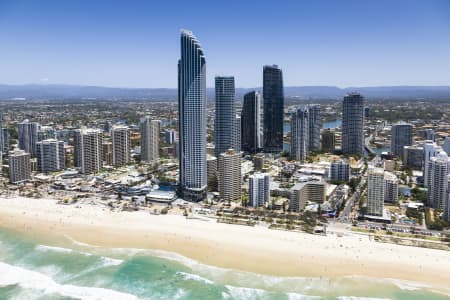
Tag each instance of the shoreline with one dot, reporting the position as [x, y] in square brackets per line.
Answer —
[249, 249]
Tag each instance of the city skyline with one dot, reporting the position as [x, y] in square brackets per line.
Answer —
[341, 44]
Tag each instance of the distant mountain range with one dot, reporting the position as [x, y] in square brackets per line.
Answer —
[56, 91]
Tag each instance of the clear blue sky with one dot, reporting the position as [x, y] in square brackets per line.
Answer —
[136, 43]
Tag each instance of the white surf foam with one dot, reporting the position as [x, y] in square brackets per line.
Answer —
[53, 248]
[296, 296]
[195, 277]
[11, 275]
[245, 293]
[359, 298]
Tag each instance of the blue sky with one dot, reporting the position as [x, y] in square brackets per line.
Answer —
[136, 43]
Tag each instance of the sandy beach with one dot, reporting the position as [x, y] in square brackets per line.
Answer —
[254, 249]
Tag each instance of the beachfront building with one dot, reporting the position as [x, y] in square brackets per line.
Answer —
[375, 191]
[314, 124]
[229, 175]
[438, 168]
[150, 139]
[28, 136]
[50, 155]
[430, 149]
[328, 140]
[353, 124]
[88, 145]
[390, 188]
[300, 134]
[192, 118]
[19, 166]
[340, 170]
[121, 143]
[225, 115]
[311, 190]
[251, 123]
[401, 136]
[259, 189]
[211, 167]
[273, 96]
[107, 153]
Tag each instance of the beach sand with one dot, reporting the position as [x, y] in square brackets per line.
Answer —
[254, 249]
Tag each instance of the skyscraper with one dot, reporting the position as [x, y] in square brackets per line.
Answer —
[300, 133]
[353, 124]
[19, 166]
[237, 133]
[121, 144]
[401, 136]
[225, 117]
[192, 118]
[230, 176]
[251, 122]
[259, 189]
[375, 191]
[28, 136]
[150, 139]
[430, 149]
[50, 155]
[88, 150]
[273, 95]
[315, 124]
[438, 180]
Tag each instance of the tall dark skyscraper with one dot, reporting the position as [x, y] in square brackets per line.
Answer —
[251, 122]
[315, 124]
[401, 136]
[353, 124]
[273, 109]
[225, 117]
[192, 118]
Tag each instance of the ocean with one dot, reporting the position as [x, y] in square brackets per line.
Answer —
[33, 269]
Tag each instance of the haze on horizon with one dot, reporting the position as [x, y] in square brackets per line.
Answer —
[121, 44]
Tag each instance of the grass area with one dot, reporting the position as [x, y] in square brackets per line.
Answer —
[398, 234]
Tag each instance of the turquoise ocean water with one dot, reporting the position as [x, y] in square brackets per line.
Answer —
[30, 269]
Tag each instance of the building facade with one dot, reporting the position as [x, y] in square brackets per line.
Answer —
[300, 134]
[328, 140]
[375, 191]
[340, 171]
[302, 192]
[353, 124]
[315, 124]
[121, 143]
[413, 157]
[273, 96]
[192, 118]
[259, 189]
[150, 139]
[19, 166]
[251, 123]
[225, 115]
[390, 188]
[230, 176]
[88, 156]
[438, 180]
[28, 136]
[401, 136]
[50, 155]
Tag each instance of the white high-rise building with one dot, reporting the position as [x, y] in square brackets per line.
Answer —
[230, 176]
[150, 139]
[259, 189]
[430, 149]
[28, 136]
[88, 148]
[300, 134]
[121, 143]
[192, 118]
[438, 180]
[19, 166]
[50, 155]
[375, 191]
[390, 188]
